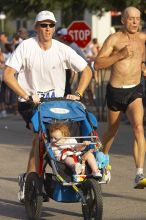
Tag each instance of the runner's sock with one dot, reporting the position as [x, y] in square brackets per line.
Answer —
[139, 171]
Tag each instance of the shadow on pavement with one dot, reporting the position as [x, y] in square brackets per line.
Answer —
[11, 209]
[124, 197]
[64, 212]
[11, 179]
[16, 210]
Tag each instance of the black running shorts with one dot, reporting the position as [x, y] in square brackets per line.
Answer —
[118, 99]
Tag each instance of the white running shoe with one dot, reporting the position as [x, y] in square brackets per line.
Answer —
[21, 183]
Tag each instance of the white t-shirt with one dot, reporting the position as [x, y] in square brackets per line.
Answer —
[69, 143]
[40, 70]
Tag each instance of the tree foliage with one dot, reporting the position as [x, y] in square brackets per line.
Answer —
[70, 9]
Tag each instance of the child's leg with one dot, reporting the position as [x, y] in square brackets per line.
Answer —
[89, 157]
[69, 161]
[75, 166]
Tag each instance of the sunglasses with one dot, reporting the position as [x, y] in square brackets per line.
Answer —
[47, 25]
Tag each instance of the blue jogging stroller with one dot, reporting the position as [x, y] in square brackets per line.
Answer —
[59, 184]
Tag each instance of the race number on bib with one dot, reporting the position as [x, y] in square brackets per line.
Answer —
[47, 95]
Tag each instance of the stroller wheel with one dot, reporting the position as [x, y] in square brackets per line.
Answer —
[93, 208]
[33, 196]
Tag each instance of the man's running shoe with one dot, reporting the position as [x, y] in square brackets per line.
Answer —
[45, 197]
[21, 183]
[138, 181]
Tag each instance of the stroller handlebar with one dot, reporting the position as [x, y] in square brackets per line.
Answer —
[52, 99]
[42, 100]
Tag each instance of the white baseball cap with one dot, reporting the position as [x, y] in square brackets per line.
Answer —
[45, 15]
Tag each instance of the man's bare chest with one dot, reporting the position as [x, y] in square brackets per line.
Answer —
[137, 46]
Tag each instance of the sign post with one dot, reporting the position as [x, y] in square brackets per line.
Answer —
[80, 32]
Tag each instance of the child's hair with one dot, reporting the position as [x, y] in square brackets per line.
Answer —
[60, 126]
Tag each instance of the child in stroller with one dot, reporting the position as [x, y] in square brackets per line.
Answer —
[68, 150]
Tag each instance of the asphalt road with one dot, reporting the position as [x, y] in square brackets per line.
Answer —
[120, 200]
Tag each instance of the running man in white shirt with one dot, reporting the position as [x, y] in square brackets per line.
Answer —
[41, 62]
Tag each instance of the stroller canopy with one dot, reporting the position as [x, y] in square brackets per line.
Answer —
[62, 110]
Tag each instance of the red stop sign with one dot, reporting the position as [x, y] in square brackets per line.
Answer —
[80, 33]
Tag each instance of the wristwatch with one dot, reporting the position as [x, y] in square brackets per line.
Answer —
[78, 94]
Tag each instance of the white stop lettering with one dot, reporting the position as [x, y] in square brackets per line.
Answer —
[79, 34]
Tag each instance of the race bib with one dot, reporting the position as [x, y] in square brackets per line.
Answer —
[47, 95]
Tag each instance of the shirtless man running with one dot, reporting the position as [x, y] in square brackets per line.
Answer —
[124, 51]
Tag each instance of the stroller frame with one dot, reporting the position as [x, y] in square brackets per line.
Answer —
[88, 191]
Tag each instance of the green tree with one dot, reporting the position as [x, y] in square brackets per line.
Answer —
[70, 9]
